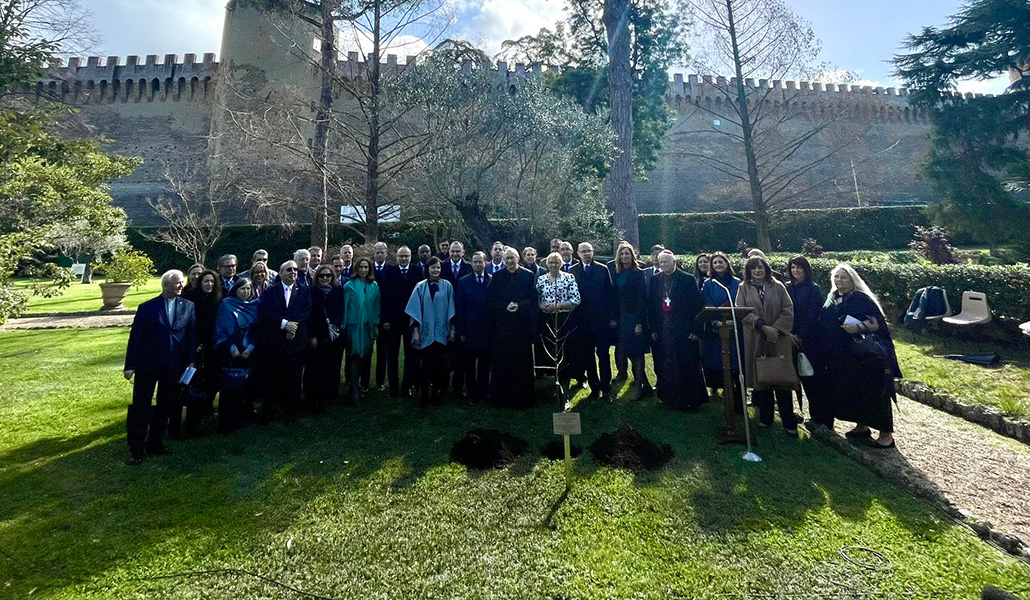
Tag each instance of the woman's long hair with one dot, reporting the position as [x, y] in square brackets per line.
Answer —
[860, 285]
[216, 291]
[802, 262]
[371, 271]
[729, 264]
[698, 273]
[632, 255]
[333, 282]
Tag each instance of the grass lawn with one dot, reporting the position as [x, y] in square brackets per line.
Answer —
[1004, 388]
[365, 503]
[85, 297]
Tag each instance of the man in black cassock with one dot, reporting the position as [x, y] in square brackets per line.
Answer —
[673, 302]
[511, 302]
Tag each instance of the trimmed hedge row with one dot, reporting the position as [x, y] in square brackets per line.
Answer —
[838, 229]
[1007, 287]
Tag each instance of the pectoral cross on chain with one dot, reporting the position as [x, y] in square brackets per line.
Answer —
[668, 301]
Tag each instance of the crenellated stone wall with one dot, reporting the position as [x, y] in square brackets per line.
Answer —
[168, 111]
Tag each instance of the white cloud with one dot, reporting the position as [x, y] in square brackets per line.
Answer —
[158, 26]
[356, 40]
[495, 21]
[991, 86]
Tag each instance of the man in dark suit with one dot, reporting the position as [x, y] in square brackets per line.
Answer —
[305, 274]
[595, 320]
[162, 343]
[424, 253]
[445, 250]
[454, 268]
[567, 260]
[388, 278]
[282, 319]
[227, 266]
[473, 328]
[342, 271]
[409, 274]
[496, 258]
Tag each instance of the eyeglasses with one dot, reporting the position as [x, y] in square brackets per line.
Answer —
[325, 276]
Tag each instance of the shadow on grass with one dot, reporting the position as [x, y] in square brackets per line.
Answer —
[72, 502]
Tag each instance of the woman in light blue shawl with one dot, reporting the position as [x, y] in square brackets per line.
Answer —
[431, 308]
[233, 343]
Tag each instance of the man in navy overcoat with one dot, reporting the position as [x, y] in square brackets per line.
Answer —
[473, 328]
[282, 318]
[162, 343]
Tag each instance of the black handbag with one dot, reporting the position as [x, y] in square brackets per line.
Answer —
[869, 346]
[234, 379]
[193, 395]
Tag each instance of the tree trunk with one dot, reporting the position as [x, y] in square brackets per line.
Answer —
[747, 132]
[620, 85]
[470, 210]
[320, 215]
[372, 167]
[87, 273]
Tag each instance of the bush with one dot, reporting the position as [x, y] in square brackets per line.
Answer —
[932, 244]
[12, 303]
[895, 284]
[129, 266]
[887, 227]
[811, 248]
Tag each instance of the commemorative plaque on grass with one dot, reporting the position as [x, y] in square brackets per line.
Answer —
[566, 424]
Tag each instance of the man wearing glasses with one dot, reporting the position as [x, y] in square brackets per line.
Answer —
[227, 272]
[283, 315]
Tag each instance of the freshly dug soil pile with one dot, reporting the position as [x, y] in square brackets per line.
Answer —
[555, 450]
[487, 449]
[625, 448]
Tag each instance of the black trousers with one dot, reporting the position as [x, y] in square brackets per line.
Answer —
[599, 371]
[432, 372]
[477, 372]
[145, 424]
[282, 387]
[388, 347]
[411, 362]
[784, 403]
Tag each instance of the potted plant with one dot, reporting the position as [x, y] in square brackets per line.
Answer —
[127, 268]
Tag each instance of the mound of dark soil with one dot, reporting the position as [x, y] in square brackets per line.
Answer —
[625, 448]
[487, 449]
[555, 450]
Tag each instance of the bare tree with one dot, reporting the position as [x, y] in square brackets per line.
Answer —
[776, 129]
[34, 32]
[193, 219]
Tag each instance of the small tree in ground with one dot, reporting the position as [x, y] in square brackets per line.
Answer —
[932, 244]
[194, 219]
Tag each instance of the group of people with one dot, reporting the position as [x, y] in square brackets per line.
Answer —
[270, 344]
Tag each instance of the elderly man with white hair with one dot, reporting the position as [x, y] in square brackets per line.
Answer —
[673, 302]
[511, 302]
[305, 274]
[162, 344]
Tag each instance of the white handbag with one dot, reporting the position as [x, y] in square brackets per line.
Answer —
[804, 366]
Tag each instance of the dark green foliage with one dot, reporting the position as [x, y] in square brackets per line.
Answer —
[1006, 286]
[811, 247]
[978, 153]
[836, 228]
[932, 244]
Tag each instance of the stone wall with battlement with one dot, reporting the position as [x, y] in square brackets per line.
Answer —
[162, 109]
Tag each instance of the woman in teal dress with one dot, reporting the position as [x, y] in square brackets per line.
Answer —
[361, 318]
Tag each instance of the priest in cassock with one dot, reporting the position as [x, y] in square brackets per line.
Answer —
[673, 303]
[511, 303]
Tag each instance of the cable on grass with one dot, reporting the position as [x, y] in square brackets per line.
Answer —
[882, 562]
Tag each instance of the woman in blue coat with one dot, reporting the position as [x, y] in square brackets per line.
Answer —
[431, 309]
[714, 293]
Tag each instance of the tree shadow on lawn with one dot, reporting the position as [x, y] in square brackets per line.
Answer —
[73, 503]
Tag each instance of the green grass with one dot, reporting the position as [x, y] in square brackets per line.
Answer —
[85, 297]
[1005, 388]
[365, 503]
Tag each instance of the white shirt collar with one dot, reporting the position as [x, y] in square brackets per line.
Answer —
[285, 286]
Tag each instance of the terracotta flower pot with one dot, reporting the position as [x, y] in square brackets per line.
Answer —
[114, 294]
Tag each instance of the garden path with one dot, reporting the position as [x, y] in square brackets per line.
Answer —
[979, 471]
[63, 321]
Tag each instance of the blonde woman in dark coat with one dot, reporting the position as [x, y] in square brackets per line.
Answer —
[770, 322]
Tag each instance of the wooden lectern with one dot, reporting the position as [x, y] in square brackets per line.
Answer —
[727, 434]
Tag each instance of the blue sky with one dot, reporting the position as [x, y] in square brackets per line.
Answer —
[857, 35]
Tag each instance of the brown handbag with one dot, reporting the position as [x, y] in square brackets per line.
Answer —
[772, 369]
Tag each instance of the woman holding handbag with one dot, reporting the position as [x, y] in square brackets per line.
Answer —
[767, 339]
[860, 359]
[233, 344]
[808, 345]
[325, 343]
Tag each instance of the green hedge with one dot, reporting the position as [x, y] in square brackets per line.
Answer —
[836, 229]
[895, 284]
